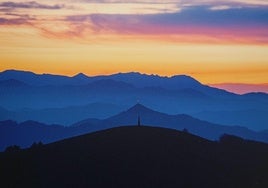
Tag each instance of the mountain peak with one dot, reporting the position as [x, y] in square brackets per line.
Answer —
[13, 71]
[139, 108]
[80, 75]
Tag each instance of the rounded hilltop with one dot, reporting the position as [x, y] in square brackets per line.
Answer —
[133, 157]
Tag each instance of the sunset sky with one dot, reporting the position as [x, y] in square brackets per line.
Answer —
[215, 41]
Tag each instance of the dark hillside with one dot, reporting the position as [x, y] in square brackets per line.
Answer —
[138, 157]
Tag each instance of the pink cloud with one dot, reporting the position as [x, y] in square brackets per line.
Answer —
[193, 25]
[136, 27]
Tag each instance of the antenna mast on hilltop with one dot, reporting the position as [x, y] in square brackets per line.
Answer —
[139, 121]
[139, 118]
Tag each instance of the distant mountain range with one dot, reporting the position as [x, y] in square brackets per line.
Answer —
[134, 78]
[64, 116]
[24, 134]
[137, 157]
[50, 98]
[242, 88]
[153, 118]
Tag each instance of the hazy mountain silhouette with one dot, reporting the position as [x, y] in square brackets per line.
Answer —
[172, 95]
[24, 134]
[105, 84]
[256, 96]
[242, 88]
[138, 157]
[182, 121]
[143, 80]
[64, 116]
[178, 82]
[10, 83]
[32, 78]
[136, 79]
[81, 76]
[249, 117]
[42, 79]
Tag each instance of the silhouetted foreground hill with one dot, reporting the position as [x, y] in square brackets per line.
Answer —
[138, 157]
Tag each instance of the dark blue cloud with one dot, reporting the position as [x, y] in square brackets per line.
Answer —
[17, 19]
[14, 21]
[31, 4]
[202, 15]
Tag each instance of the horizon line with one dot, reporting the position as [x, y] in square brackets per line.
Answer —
[239, 88]
[93, 75]
[135, 72]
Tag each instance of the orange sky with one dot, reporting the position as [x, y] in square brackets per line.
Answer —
[111, 38]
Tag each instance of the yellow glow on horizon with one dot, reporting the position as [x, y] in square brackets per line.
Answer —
[25, 49]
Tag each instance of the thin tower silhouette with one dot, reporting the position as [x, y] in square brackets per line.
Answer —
[139, 120]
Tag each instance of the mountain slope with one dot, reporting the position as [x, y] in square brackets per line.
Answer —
[25, 133]
[63, 116]
[137, 79]
[138, 157]
[248, 118]
[144, 80]
[242, 88]
[198, 127]
[44, 79]
[177, 82]
[179, 94]
[11, 83]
